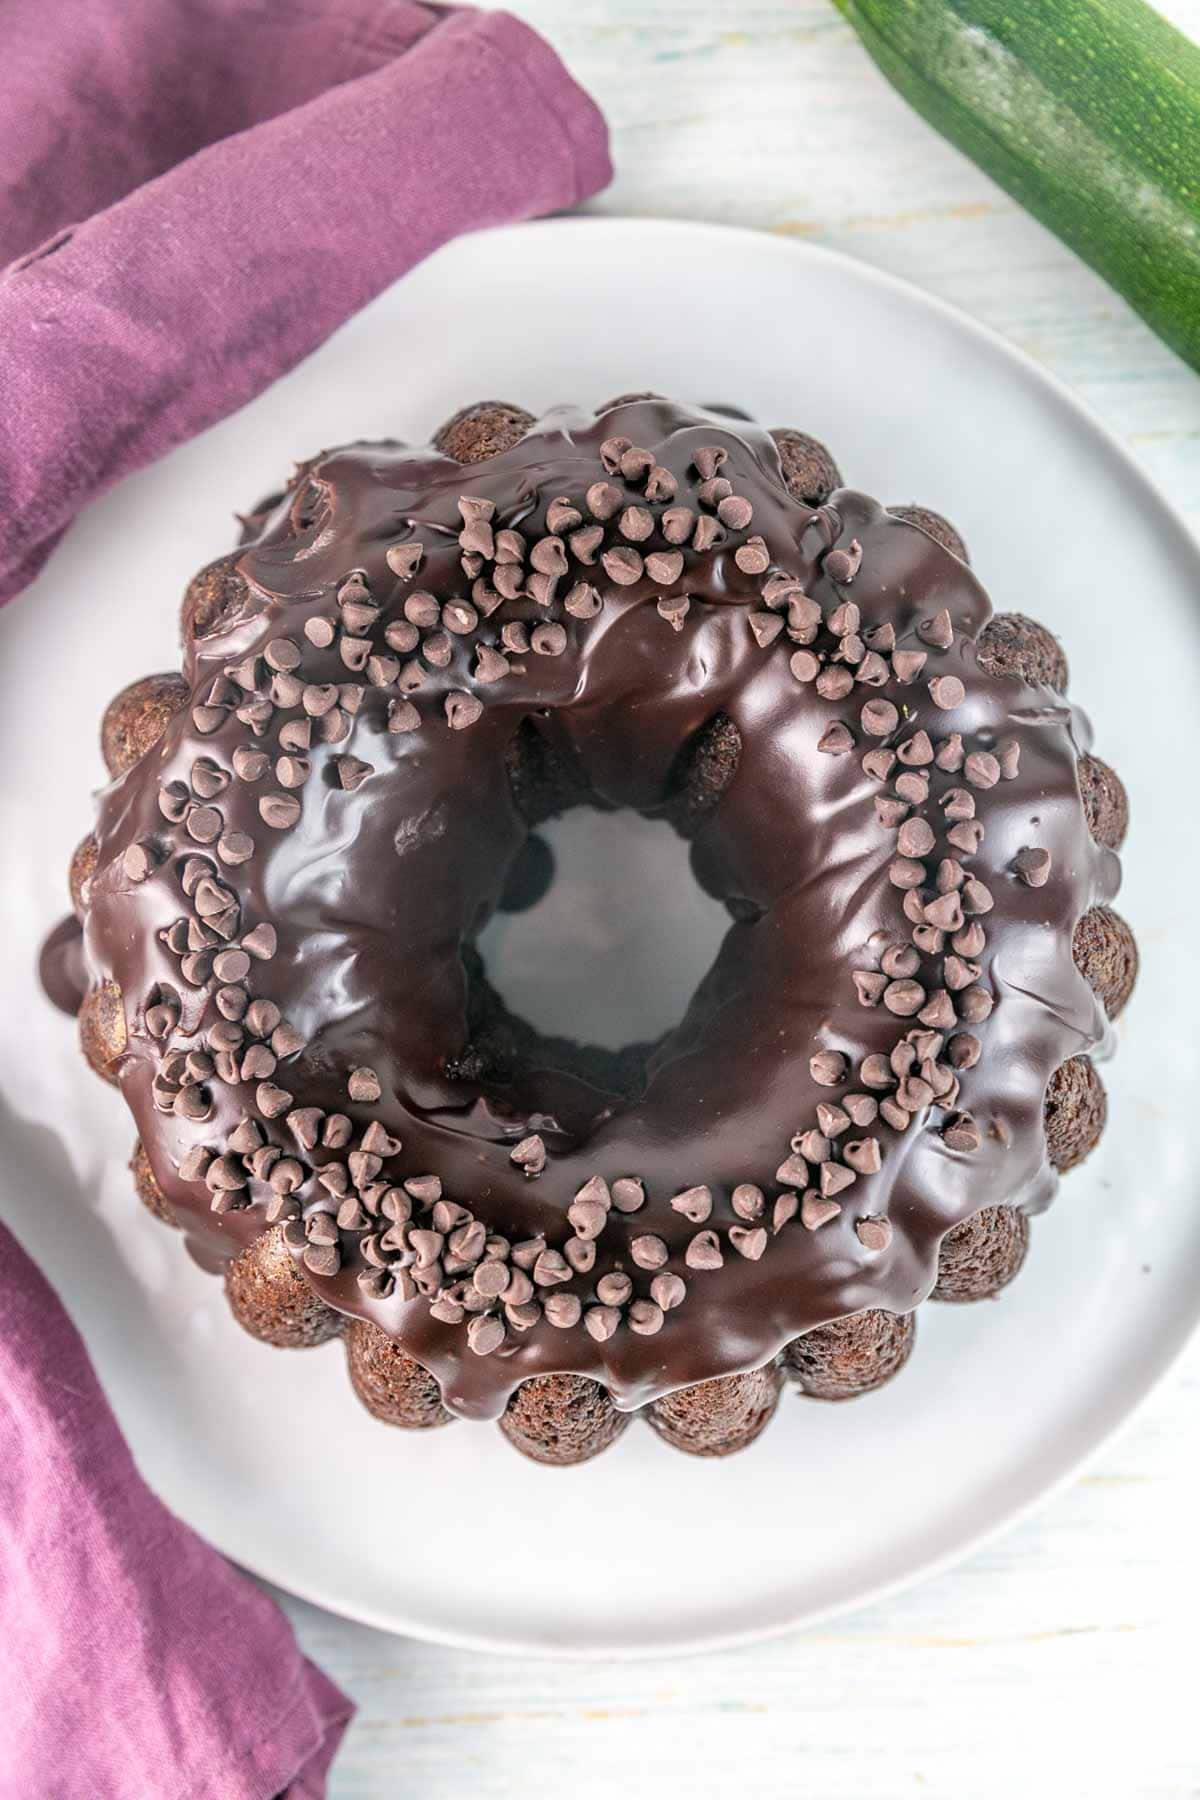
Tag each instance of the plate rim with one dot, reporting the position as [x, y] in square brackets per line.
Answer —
[1036, 1491]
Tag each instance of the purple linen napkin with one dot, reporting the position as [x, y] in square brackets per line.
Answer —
[137, 1662]
[361, 137]
[214, 186]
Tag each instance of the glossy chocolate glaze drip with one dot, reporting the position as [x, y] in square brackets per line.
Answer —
[61, 968]
[374, 892]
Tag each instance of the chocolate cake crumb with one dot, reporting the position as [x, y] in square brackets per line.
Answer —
[935, 526]
[137, 717]
[562, 1419]
[269, 1297]
[1011, 644]
[1106, 955]
[809, 471]
[718, 1417]
[212, 599]
[83, 867]
[391, 1384]
[146, 1183]
[1075, 1111]
[982, 1255]
[851, 1356]
[482, 430]
[102, 1032]
[702, 773]
[1105, 802]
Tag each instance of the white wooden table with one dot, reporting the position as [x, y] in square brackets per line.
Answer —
[1059, 1661]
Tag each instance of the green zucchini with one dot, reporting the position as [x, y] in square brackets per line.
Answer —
[1086, 111]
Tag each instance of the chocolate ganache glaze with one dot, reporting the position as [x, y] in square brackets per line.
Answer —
[288, 885]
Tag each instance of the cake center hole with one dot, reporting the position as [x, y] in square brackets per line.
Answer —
[615, 947]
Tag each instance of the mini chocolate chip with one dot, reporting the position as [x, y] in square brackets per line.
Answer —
[784, 1211]
[668, 1291]
[805, 666]
[816, 1210]
[843, 565]
[960, 1132]
[461, 710]
[939, 1012]
[402, 636]
[665, 566]
[709, 460]
[529, 1155]
[975, 1005]
[947, 692]
[548, 640]
[967, 836]
[363, 1084]
[803, 624]
[904, 998]
[404, 559]
[279, 811]
[714, 490]
[915, 838]
[873, 1233]
[674, 609]
[583, 602]
[976, 898]
[485, 1334]
[827, 1067]
[945, 912]
[879, 718]
[748, 1241]
[677, 524]
[836, 740]
[938, 631]
[1032, 866]
[982, 769]
[402, 716]
[736, 512]
[792, 1172]
[562, 515]
[704, 1251]
[766, 627]
[863, 1154]
[648, 1251]
[868, 986]
[748, 1201]
[707, 534]
[636, 523]
[904, 873]
[835, 683]
[622, 565]
[835, 1178]
[562, 1310]
[600, 1322]
[872, 671]
[549, 556]
[628, 1194]
[971, 940]
[604, 501]
[950, 755]
[695, 1203]
[916, 751]
[907, 665]
[752, 557]
[964, 1050]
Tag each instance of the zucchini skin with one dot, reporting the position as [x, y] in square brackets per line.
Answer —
[1086, 111]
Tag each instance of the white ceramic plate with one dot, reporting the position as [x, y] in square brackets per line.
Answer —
[643, 1550]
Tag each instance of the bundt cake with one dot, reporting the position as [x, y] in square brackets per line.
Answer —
[418, 654]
